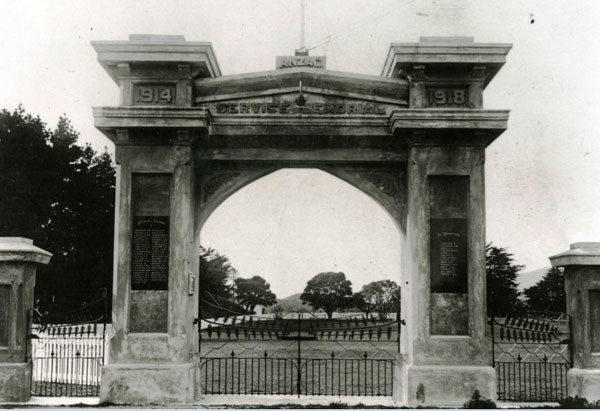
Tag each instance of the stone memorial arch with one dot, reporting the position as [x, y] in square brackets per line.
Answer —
[413, 139]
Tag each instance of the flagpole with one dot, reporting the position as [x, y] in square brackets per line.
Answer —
[302, 39]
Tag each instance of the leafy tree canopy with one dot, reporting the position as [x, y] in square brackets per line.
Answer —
[250, 292]
[382, 296]
[216, 274]
[217, 285]
[61, 195]
[502, 292]
[548, 294]
[329, 292]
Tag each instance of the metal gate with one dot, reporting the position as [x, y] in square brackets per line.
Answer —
[532, 355]
[67, 351]
[298, 354]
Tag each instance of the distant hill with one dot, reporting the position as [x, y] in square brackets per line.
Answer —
[292, 304]
[530, 278]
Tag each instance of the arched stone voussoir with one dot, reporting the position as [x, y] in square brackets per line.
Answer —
[385, 185]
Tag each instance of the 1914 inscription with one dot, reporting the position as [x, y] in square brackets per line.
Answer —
[154, 94]
[150, 253]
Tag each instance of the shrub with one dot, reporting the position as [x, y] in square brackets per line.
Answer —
[574, 403]
[337, 405]
[478, 402]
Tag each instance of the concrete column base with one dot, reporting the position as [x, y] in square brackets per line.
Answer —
[448, 385]
[159, 383]
[15, 382]
[584, 383]
[399, 387]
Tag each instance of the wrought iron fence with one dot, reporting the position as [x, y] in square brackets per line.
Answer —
[297, 376]
[67, 353]
[532, 355]
[531, 381]
[309, 355]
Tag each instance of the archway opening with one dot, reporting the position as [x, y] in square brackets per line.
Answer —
[329, 255]
[293, 224]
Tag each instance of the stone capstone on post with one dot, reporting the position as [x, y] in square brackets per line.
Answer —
[22, 249]
[582, 287]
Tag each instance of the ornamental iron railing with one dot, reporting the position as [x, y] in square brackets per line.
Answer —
[296, 376]
[532, 355]
[296, 354]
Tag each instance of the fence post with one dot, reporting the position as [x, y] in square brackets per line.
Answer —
[492, 318]
[299, 370]
[18, 260]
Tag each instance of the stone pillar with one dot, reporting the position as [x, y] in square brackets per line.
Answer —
[153, 310]
[18, 259]
[582, 286]
[449, 352]
[446, 343]
[150, 353]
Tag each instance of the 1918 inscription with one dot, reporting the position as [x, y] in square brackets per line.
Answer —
[150, 253]
[443, 97]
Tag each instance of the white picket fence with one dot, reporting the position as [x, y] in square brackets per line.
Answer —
[67, 355]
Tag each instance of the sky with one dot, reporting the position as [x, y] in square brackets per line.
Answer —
[542, 174]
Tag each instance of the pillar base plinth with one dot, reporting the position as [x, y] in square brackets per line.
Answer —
[150, 383]
[584, 383]
[448, 385]
[15, 382]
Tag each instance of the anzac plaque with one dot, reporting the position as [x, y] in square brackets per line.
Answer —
[150, 253]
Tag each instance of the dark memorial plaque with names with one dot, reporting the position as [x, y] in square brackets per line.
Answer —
[150, 253]
[449, 265]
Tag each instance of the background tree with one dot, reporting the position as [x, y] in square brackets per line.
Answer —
[277, 310]
[328, 292]
[382, 296]
[217, 275]
[217, 285]
[250, 292]
[548, 294]
[360, 302]
[502, 292]
[61, 195]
